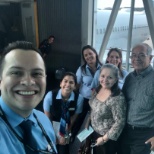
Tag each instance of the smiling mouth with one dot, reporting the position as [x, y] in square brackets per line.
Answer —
[26, 93]
[67, 89]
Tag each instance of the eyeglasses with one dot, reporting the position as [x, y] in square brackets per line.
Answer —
[140, 56]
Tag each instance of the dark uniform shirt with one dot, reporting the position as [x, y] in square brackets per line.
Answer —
[45, 47]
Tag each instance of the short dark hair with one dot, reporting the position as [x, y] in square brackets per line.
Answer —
[17, 45]
[51, 36]
[70, 74]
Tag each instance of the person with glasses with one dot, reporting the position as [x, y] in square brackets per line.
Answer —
[114, 57]
[138, 89]
[23, 84]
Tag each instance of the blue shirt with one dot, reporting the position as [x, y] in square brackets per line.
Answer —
[85, 80]
[48, 101]
[9, 144]
[95, 82]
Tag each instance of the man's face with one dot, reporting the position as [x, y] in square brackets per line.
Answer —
[51, 40]
[139, 58]
[23, 80]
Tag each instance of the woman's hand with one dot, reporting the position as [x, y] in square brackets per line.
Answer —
[62, 141]
[101, 140]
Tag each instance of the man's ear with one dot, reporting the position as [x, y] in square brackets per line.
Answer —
[60, 85]
[151, 57]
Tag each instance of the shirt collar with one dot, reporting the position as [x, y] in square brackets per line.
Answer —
[98, 66]
[145, 72]
[71, 98]
[13, 118]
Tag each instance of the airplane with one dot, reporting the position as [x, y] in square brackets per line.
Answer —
[119, 35]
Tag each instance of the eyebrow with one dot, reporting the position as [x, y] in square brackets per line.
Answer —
[21, 68]
[69, 80]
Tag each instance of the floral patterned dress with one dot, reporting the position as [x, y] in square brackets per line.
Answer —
[108, 117]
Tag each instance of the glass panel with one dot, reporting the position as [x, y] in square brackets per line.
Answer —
[119, 34]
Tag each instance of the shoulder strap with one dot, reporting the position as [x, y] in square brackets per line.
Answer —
[55, 107]
[76, 96]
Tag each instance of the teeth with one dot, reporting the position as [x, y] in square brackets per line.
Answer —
[26, 92]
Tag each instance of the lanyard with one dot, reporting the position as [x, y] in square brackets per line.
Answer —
[2, 115]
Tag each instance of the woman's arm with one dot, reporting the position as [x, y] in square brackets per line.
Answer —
[118, 109]
[73, 119]
[47, 102]
[87, 122]
[48, 115]
[79, 78]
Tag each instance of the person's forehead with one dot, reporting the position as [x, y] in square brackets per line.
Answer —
[68, 77]
[21, 52]
[106, 69]
[114, 53]
[87, 51]
[139, 49]
[23, 57]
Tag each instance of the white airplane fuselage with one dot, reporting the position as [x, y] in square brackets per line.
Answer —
[119, 35]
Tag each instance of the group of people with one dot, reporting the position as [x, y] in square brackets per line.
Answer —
[101, 85]
[120, 105]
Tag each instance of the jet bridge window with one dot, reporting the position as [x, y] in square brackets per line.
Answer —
[97, 31]
[100, 31]
[104, 30]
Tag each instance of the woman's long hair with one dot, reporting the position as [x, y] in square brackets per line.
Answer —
[83, 67]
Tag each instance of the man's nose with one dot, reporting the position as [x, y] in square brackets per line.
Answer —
[27, 80]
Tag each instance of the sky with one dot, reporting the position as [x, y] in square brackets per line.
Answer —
[124, 3]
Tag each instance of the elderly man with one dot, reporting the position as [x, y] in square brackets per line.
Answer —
[138, 134]
[22, 82]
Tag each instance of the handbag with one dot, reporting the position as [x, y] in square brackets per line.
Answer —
[85, 147]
